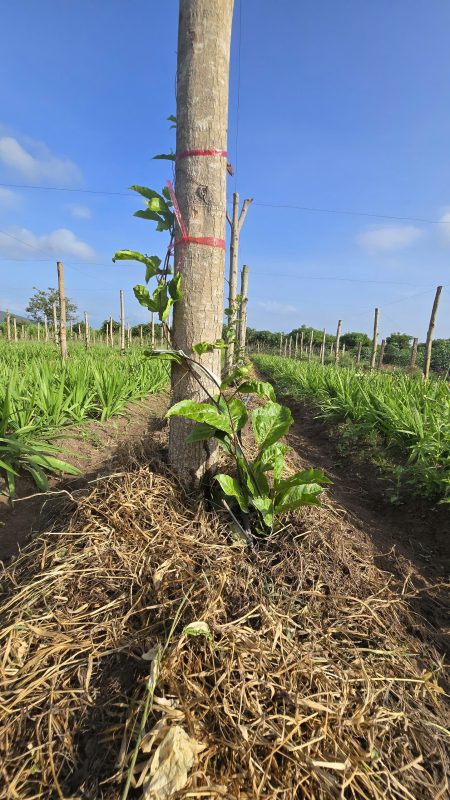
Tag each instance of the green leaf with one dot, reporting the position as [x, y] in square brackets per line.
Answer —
[300, 478]
[238, 412]
[147, 214]
[173, 119]
[7, 467]
[261, 388]
[201, 412]
[235, 375]
[149, 194]
[201, 432]
[231, 487]
[203, 347]
[142, 295]
[174, 287]
[151, 262]
[270, 423]
[264, 505]
[198, 629]
[158, 204]
[272, 459]
[304, 494]
[165, 157]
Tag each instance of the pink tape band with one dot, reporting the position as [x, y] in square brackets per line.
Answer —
[187, 153]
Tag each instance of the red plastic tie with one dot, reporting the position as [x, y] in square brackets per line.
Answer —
[187, 153]
[210, 241]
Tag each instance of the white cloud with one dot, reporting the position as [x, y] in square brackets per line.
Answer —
[445, 227]
[80, 212]
[34, 161]
[391, 237]
[9, 200]
[277, 308]
[21, 242]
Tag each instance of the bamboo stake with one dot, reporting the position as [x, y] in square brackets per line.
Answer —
[429, 342]
[358, 355]
[381, 356]
[374, 340]
[338, 338]
[55, 324]
[62, 311]
[86, 331]
[122, 323]
[310, 348]
[413, 360]
[243, 309]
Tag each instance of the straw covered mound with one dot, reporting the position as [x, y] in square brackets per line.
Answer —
[313, 682]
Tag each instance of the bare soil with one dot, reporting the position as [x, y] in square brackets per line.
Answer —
[94, 448]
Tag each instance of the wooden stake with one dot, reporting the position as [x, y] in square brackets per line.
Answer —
[296, 345]
[310, 348]
[8, 326]
[290, 347]
[55, 324]
[281, 344]
[86, 330]
[301, 345]
[141, 335]
[338, 339]
[15, 329]
[358, 355]
[381, 356]
[413, 360]
[429, 342]
[62, 311]
[122, 323]
[46, 327]
[38, 331]
[374, 340]
[111, 334]
[236, 222]
[243, 309]
[322, 352]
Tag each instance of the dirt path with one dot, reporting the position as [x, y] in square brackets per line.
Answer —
[408, 540]
[94, 448]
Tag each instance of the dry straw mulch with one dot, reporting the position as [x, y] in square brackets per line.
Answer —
[314, 685]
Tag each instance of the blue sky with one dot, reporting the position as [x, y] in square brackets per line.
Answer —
[342, 106]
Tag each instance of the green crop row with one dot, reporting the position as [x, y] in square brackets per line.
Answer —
[410, 417]
[40, 396]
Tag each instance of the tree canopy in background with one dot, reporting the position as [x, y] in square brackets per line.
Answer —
[41, 305]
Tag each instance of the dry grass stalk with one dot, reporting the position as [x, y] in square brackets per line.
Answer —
[312, 687]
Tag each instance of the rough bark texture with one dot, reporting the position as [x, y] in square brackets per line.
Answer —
[204, 36]
[374, 339]
[427, 362]
[62, 311]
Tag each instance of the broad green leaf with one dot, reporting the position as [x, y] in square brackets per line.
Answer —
[272, 459]
[203, 347]
[238, 412]
[261, 388]
[231, 487]
[264, 505]
[142, 295]
[270, 422]
[151, 262]
[147, 214]
[302, 495]
[201, 412]
[300, 478]
[149, 194]
[174, 287]
[201, 432]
